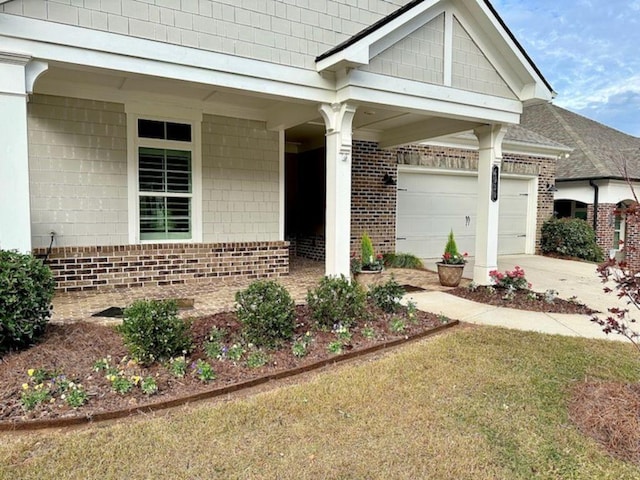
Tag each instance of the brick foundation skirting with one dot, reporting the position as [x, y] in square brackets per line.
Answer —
[125, 266]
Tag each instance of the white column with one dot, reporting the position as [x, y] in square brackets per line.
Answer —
[15, 217]
[338, 118]
[282, 183]
[489, 162]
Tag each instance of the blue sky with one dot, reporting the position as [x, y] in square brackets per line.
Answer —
[589, 50]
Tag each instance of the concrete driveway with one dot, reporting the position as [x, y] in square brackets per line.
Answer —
[568, 278]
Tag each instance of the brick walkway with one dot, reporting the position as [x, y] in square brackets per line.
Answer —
[215, 296]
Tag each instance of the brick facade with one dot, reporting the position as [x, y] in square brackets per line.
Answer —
[373, 204]
[605, 227]
[310, 246]
[126, 266]
[605, 233]
[632, 235]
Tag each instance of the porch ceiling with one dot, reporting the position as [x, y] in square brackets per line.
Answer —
[302, 121]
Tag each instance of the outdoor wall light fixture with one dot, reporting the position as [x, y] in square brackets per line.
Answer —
[388, 179]
[551, 187]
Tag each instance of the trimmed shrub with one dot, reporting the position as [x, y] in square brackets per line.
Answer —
[152, 331]
[336, 300]
[267, 313]
[402, 260]
[572, 237]
[387, 296]
[26, 291]
[366, 249]
[451, 247]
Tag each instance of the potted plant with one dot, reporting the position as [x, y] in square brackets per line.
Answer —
[369, 261]
[452, 264]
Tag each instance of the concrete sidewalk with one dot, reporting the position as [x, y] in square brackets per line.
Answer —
[482, 314]
[569, 278]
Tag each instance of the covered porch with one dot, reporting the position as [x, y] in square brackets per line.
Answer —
[78, 174]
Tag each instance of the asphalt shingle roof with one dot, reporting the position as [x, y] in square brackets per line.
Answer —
[518, 134]
[598, 151]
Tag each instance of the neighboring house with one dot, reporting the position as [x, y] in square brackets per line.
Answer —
[597, 178]
[170, 141]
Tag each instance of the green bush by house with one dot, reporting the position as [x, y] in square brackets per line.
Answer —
[402, 260]
[26, 291]
[337, 301]
[152, 331]
[267, 313]
[572, 237]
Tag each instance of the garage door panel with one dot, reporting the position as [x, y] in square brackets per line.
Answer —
[430, 206]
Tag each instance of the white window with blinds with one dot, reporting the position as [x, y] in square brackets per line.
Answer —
[164, 171]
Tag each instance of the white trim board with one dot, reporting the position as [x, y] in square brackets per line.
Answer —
[81, 46]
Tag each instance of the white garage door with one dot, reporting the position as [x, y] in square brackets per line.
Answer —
[430, 205]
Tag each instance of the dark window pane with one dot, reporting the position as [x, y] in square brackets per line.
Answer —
[178, 160]
[150, 206]
[178, 182]
[153, 214]
[151, 175]
[179, 131]
[150, 128]
[178, 213]
[152, 226]
[151, 181]
[178, 171]
[178, 206]
[151, 158]
[179, 225]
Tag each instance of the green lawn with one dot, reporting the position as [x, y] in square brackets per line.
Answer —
[476, 403]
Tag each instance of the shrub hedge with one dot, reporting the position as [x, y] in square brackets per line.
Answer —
[572, 237]
[337, 301]
[152, 331]
[26, 291]
[267, 313]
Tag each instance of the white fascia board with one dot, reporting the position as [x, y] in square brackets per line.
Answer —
[350, 57]
[416, 97]
[383, 83]
[360, 52]
[426, 105]
[81, 46]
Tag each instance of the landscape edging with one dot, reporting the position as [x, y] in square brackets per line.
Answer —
[25, 425]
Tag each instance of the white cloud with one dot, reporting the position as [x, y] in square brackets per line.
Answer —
[588, 52]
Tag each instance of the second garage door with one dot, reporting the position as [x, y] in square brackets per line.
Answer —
[430, 205]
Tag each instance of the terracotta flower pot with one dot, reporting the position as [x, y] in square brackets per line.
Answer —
[450, 275]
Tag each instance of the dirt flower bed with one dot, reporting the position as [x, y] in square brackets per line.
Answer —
[522, 300]
[88, 359]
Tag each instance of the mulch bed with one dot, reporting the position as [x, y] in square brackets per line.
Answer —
[73, 349]
[522, 300]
